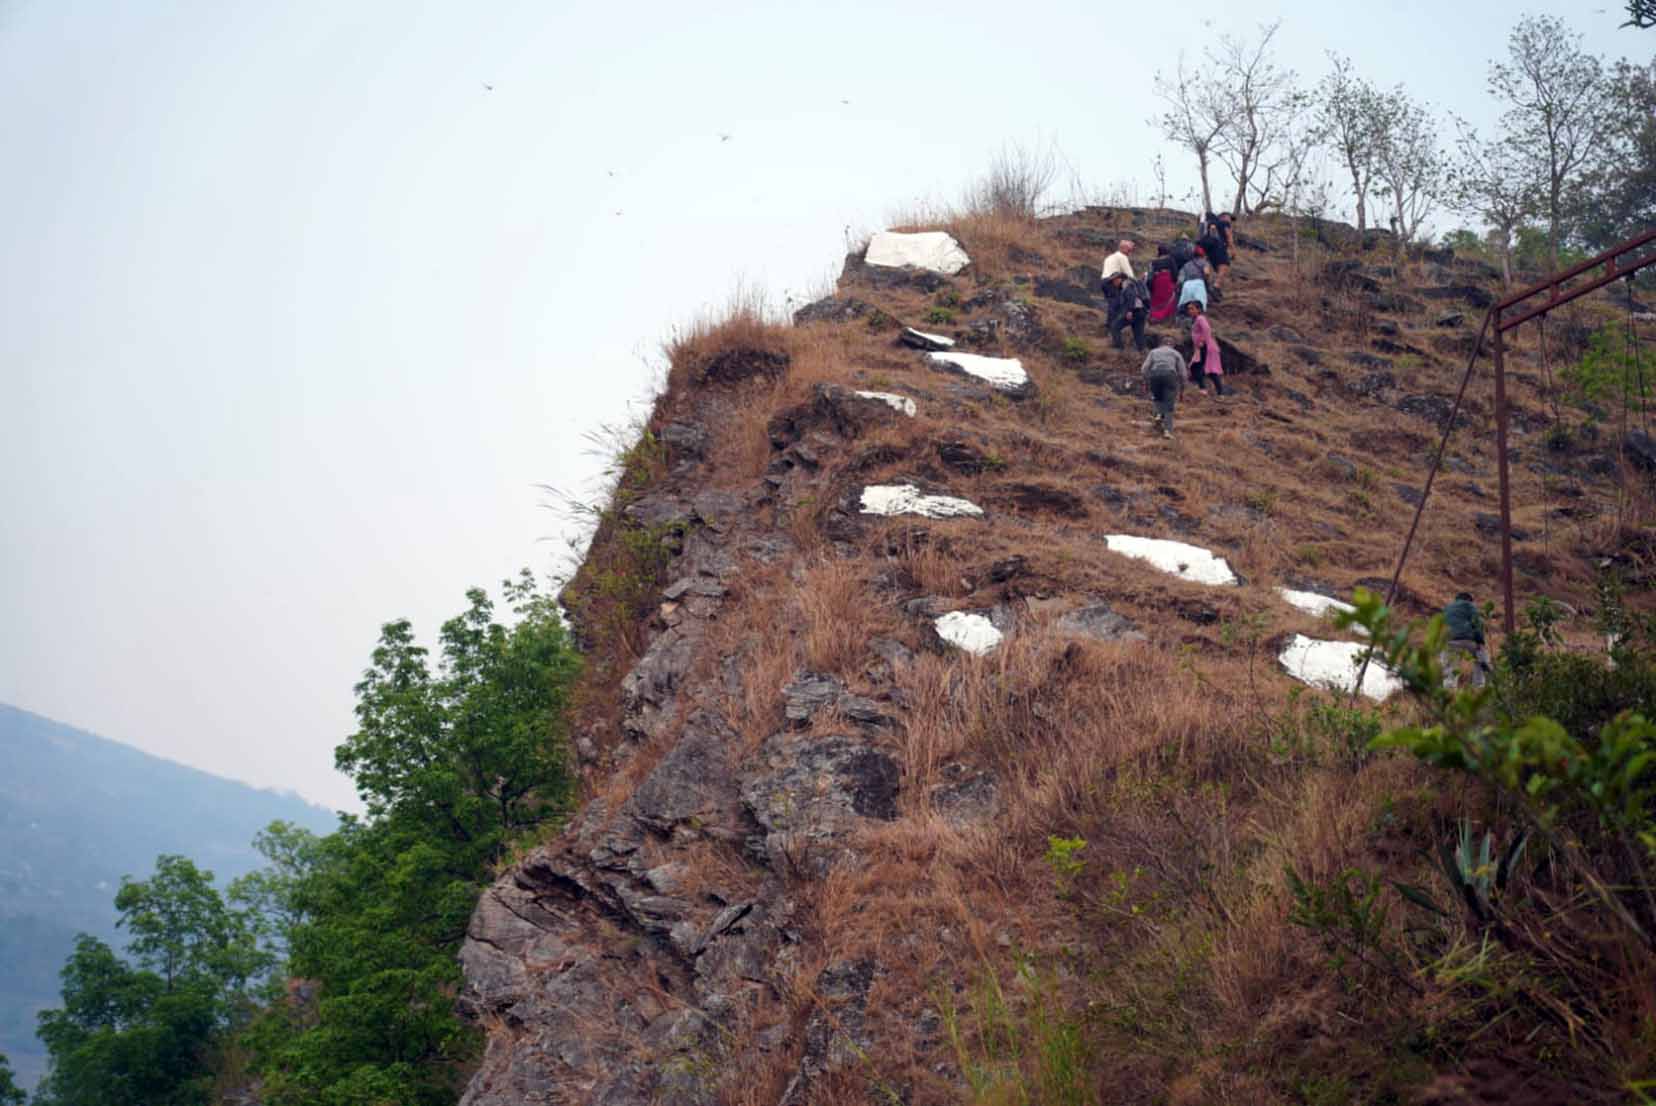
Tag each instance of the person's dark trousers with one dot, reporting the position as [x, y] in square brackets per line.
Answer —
[1218, 383]
[1164, 394]
[1136, 318]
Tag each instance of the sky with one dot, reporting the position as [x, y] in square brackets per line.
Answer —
[301, 302]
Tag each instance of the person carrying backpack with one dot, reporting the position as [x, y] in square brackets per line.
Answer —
[1183, 249]
[1164, 379]
[1466, 636]
[1129, 304]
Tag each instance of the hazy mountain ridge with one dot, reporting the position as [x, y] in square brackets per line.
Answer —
[77, 813]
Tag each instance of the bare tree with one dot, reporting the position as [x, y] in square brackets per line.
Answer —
[1559, 111]
[1264, 101]
[1299, 189]
[1409, 164]
[1489, 181]
[1353, 117]
[1196, 116]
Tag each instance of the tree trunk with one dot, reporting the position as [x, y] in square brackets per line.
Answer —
[1207, 191]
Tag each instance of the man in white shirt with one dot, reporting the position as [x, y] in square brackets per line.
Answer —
[1118, 262]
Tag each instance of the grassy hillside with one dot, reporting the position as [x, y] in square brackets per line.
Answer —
[77, 813]
[1056, 872]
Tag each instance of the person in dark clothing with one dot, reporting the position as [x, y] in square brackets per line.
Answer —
[1129, 304]
[1218, 254]
[1183, 250]
[1164, 379]
[1466, 636]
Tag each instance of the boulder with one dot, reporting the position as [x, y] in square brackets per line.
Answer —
[919, 339]
[1466, 293]
[836, 309]
[934, 251]
[1433, 408]
[1098, 622]
[1004, 374]
[1188, 562]
[906, 499]
[969, 631]
[1640, 449]
[1334, 665]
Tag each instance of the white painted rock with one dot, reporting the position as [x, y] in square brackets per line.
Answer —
[1187, 562]
[1334, 665]
[1313, 603]
[1005, 373]
[930, 249]
[919, 339]
[965, 630]
[906, 499]
[901, 404]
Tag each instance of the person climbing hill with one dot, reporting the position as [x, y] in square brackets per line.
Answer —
[1216, 244]
[1163, 293]
[1121, 260]
[1466, 635]
[1164, 379]
[1129, 304]
[1205, 362]
[1192, 286]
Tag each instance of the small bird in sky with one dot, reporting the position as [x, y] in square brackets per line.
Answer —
[724, 138]
[845, 101]
[487, 87]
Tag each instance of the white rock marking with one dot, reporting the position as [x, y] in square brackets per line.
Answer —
[906, 499]
[1334, 664]
[1313, 603]
[931, 249]
[902, 404]
[972, 632]
[926, 341]
[1188, 562]
[1006, 373]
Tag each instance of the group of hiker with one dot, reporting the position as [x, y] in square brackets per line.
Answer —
[1180, 283]
[1183, 279]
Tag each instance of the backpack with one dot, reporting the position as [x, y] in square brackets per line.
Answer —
[1181, 252]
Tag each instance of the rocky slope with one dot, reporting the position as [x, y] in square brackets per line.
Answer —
[871, 625]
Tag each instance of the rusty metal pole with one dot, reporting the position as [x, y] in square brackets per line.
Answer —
[1508, 615]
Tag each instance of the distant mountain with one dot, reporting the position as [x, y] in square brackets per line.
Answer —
[78, 812]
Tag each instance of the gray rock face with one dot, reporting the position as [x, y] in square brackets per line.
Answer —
[809, 792]
[1099, 622]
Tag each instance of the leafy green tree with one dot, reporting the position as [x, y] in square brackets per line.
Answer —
[474, 751]
[10, 1093]
[270, 895]
[1619, 197]
[452, 761]
[142, 1034]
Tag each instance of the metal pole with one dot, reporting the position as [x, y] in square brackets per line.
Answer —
[1508, 615]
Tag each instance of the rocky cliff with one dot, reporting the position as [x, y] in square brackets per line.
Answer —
[893, 601]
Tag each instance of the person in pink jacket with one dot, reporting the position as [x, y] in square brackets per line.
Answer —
[1205, 362]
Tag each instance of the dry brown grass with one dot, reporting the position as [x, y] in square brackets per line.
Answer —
[1160, 756]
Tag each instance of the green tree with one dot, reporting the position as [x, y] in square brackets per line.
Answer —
[271, 895]
[143, 1034]
[1559, 112]
[10, 1093]
[182, 929]
[473, 752]
[452, 763]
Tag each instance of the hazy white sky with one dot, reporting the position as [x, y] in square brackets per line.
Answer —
[295, 312]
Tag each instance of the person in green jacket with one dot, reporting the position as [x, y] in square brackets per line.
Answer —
[1466, 635]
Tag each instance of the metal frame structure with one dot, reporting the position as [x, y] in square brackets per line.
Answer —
[1615, 268]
